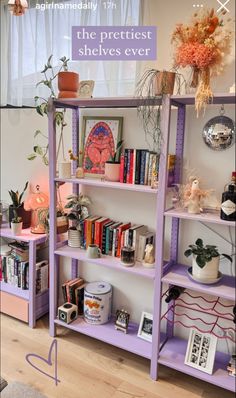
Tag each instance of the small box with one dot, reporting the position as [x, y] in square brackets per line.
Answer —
[67, 312]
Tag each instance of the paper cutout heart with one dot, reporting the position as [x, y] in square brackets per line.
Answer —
[48, 361]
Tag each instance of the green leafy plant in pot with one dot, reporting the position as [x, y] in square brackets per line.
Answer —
[112, 166]
[78, 211]
[18, 205]
[206, 260]
[16, 223]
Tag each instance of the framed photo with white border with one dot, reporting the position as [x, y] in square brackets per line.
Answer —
[201, 351]
[145, 326]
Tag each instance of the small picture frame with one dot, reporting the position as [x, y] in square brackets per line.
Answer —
[145, 327]
[201, 351]
[86, 88]
[122, 320]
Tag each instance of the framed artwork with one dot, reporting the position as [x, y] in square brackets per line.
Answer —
[100, 136]
[86, 88]
[201, 351]
[145, 327]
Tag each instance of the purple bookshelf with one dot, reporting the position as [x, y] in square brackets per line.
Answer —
[37, 306]
[168, 350]
[210, 217]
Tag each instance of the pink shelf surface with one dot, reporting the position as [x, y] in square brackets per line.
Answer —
[106, 261]
[173, 355]
[213, 218]
[8, 288]
[25, 236]
[177, 275]
[96, 182]
[108, 334]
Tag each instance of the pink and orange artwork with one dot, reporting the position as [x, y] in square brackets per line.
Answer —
[100, 139]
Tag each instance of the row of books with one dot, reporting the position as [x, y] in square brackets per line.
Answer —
[112, 235]
[73, 292]
[14, 272]
[141, 166]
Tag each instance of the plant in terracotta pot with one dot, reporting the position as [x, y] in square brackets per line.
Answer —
[16, 224]
[206, 260]
[50, 73]
[78, 211]
[18, 205]
[68, 84]
[112, 166]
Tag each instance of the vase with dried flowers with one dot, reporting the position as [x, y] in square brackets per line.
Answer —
[204, 46]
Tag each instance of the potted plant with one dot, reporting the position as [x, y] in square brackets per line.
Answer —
[16, 224]
[206, 260]
[112, 166]
[68, 84]
[78, 205]
[18, 205]
[61, 220]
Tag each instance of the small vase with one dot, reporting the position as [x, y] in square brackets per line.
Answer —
[68, 84]
[209, 272]
[64, 169]
[16, 228]
[112, 171]
[74, 237]
[165, 82]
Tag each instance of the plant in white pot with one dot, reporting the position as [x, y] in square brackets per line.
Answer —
[16, 224]
[112, 166]
[78, 205]
[206, 260]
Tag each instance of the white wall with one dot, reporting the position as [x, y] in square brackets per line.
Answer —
[214, 168]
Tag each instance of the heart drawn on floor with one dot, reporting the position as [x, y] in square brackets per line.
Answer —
[53, 350]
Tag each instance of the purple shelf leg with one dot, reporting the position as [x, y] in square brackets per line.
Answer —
[175, 221]
[165, 126]
[32, 286]
[52, 211]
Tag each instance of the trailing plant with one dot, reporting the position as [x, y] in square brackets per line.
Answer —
[49, 75]
[16, 197]
[116, 157]
[78, 205]
[204, 254]
[16, 219]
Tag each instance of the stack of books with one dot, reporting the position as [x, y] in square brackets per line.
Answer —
[141, 166]
[110, 235]
[73, 292]
[14, 268]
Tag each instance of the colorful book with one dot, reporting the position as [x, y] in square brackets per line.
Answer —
[125, 165]
[107, 243]
[110, 241]
[122, 162]
[79, 298]
[137, 166]
[104, 232]
[98, 230]
[146, 168]
[89, 237]
[142, 167]
[121, 229]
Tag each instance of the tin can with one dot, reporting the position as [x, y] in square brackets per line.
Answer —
[97, 303]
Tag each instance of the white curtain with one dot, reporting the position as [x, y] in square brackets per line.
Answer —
[27, 41]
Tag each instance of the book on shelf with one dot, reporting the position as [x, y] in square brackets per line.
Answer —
[110, 240]
[98, 230]
[121, 229]
[15, 272]
[89, 227]
[42, 276]
[79, 298]
[104, 234]
[144, 239]
[68, 289]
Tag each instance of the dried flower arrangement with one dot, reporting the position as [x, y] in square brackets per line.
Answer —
[203, 45]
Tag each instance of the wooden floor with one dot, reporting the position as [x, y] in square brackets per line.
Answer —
[88, 368]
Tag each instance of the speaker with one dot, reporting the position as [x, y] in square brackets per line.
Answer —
[67, 312]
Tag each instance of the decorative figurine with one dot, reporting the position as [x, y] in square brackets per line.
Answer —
[79, 172]
[193, 196]
[122, 320]
[149, 258]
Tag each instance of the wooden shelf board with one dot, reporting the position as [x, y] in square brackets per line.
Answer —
[177, 275]
[173, 355]
[106, 261]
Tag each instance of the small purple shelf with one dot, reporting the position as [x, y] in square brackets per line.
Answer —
[213, 218]
[108, 334]
[218, 98]
[8, 288]
[108, 102]
[106, 261]
[177, 275]
[173, 355]
[96, 182]
[25, 236]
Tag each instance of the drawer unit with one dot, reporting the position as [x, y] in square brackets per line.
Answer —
[14, 306]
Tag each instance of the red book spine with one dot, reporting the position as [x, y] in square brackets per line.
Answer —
[97, 232]
[131, 169]
[122, 161]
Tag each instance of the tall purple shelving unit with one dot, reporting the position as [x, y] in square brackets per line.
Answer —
[165, 347]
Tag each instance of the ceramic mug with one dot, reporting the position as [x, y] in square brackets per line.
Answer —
[93, 251]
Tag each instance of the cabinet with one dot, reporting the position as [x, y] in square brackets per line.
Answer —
[165, 348]
[24, 304]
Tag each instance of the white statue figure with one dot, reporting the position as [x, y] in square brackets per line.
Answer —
[149, 258]
[193, 196]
